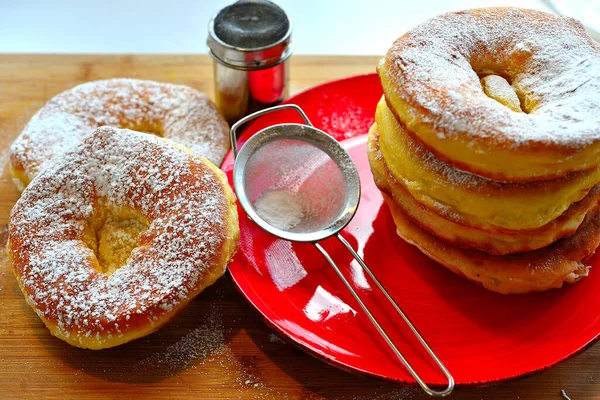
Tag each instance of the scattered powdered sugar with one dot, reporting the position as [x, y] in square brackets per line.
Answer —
[205, 349]
[281, 209]
[198, 345]
[273, 338]
[406, 393]
[552, 63]
[204, 345]
[176, 112]
[342, 117]
[182, 198]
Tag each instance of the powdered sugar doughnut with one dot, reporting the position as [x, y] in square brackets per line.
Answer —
[119, 234]
[431, 80]
[175, 112]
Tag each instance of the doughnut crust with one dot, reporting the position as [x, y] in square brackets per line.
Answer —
[499, 242]
[176, 112]
[431, 80]
[470, 199]
[119, 179]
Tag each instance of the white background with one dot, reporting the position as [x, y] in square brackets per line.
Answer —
[361, 27]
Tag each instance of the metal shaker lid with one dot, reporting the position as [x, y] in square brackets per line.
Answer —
[250, 34]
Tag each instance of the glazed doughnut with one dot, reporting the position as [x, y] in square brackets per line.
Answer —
[469, 199]
[176, 112]
[460, 235]
[533, 271]
[115, 237]
[431, 80]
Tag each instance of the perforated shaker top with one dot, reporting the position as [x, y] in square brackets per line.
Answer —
[251, 24]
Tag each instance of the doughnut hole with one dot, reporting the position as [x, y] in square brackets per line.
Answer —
[144, 126]
[498, 88]
[498, 71]
[498, 85]
[112, 233]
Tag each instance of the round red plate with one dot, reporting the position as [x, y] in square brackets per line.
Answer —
[480, 336]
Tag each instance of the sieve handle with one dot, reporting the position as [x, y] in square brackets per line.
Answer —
[384, 335]
[233, 133]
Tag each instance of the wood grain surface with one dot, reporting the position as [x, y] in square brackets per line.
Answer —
[218, 348]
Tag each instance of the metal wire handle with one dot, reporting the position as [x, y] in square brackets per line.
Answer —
[361, 262]
[233, 133]
[382, 332]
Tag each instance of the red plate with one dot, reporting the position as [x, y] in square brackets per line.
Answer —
[480, 336]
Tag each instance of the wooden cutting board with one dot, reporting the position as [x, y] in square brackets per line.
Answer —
[218, 348]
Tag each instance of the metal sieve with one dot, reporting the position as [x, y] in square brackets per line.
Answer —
[299, 184]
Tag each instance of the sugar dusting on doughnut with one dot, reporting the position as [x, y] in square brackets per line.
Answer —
[559, 79]
[176, 112]
[190, 238]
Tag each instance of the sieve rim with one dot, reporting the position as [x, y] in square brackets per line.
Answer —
[343, 161]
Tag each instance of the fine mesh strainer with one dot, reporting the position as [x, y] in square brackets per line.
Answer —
[298, 183]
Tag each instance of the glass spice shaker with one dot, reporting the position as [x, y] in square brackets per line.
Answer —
[249, 42]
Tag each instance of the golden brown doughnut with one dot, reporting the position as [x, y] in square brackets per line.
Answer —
[116, 236]
[456, 230]
[176, 112]
[533, 271]
[431, 80]
[469, 199]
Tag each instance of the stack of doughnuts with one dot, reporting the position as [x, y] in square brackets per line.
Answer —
[486, 145]
[116, 230]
